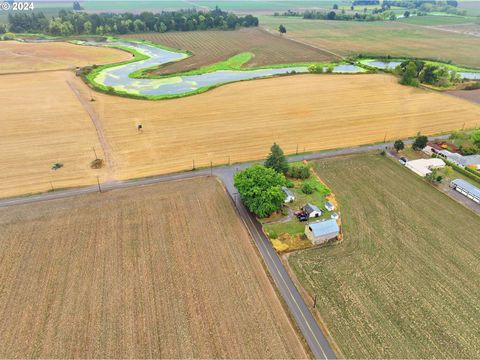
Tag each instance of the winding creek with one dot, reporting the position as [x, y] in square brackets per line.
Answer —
[118, 78]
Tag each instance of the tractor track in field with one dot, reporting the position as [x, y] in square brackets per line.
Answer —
[107, 150]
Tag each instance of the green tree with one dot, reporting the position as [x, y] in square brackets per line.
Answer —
[282, 29]
[475, 138]
[409, 76]
[406, 14]
[420, 142]
[260, 189]
[276, 159]
[335, 7]
[307, 188]
[298, 171]
[398, 145]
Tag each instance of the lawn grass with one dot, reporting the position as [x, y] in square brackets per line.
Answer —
[404, 282]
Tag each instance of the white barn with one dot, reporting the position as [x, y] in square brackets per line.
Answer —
[322, 231]
[467, 189]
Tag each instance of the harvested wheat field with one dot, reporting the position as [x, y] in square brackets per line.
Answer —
[162, 271]
[242, 120]
[42, 123]
[21, 57]
[209, 47]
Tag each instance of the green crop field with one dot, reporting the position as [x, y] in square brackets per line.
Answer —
[438, 20]
[404, 283]
[380, 38]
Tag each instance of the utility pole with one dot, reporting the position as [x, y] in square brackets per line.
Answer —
[51, 184]
[98, 183]
[211, 168]
[315, 301]
[94, 152]
[193, 165]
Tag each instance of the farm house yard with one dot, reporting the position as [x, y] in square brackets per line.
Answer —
[42, 122]
[21, 57]
[162, 271]
[404, 281]
[209, 47]
[241, 121]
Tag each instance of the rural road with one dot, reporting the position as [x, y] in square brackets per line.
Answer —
[300, 311]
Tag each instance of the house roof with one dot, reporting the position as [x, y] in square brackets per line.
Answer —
[309, 208]
[324, 227]
[287, 191]
[460, 159]
[423, 166]
[473, 190]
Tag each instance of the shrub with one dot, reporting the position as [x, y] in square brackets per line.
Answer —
[289, 183]
[307, 188]
[272, 234]
[298, 171]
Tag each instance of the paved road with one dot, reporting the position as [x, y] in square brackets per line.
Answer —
[292, 298]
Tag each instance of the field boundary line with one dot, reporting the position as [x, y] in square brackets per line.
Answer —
[98, 127]
[304, 43]
[35, 71]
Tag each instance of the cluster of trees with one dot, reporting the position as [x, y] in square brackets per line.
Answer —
[260, 186]
[378, 15]
[414, 72]
[76, 23]
[365, 2]
[319, 69]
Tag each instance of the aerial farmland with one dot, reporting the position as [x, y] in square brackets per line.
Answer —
[161, 271]
[141, 215]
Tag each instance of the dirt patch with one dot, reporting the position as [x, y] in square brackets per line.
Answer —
[471, 95]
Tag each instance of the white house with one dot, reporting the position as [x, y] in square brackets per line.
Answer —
[312, 211]
[423, 167]
[322, 231]
[329, 206]
[289, 196]
[460, 160]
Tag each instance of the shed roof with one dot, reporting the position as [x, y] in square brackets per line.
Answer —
[287, 191]
[309, 208]
[324, 227]
[473, 190]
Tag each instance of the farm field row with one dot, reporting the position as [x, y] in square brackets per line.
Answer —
[313, 112]
[404, 281]
[209, 47]
[162, 271]
[22, 57]
[380, 38]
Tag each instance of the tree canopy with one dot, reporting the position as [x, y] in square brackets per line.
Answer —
[475, 137]
[282, 29]
[260, 189]
[398, 145]
[420, 142]
[77, 22]
[276, 159]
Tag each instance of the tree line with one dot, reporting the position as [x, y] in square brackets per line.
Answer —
[340, 15]
[77, 23]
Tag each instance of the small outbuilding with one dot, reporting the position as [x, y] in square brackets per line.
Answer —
[312, 211]
[329, 206]
[289, 196]
[467, 189]
[322, 231]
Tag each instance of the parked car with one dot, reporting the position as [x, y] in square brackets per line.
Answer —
[303, 217]
[334, 216]
[403, 160]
